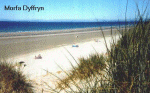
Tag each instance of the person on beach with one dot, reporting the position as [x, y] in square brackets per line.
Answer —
[38, 57]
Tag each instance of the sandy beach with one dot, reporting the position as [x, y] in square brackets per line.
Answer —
[55, 49]
[19, 43]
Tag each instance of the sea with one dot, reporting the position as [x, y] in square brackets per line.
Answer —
[21, 26]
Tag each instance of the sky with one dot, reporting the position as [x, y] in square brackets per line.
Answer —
[73, 10]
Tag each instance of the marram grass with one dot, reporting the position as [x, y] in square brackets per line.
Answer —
[86, 69]
[125, 70]
[129, 60]
[12, 80]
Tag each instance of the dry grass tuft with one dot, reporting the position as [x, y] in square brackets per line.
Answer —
[86, 68]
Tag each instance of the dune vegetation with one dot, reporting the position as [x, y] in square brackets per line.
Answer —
[12, 80]
[126, 68]
[129, 60]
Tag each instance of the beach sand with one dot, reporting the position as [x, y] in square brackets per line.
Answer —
[56, 51]
[19, 43]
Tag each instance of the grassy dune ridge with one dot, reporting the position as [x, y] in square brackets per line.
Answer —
[124, 70]
[129, 60]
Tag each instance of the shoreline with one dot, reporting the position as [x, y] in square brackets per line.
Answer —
[59, 26]
[49, 32]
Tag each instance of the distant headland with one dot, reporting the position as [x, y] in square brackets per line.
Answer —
[24, 8]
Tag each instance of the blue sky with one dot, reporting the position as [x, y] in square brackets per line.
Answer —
[71, 10]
